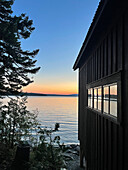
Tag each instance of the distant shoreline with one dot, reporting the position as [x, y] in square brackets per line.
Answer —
[46, 95]
[54, 95]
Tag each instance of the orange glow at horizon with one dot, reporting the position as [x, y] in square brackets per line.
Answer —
[68, 88]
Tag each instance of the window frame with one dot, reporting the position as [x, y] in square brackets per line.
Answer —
[108, 80]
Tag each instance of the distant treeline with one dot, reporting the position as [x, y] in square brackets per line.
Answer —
[40, 94]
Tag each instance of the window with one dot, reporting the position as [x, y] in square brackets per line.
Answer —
[90, 97]
[110, 99]
[113, 100]
[106, 99]
[95, 98]
[99, 98]
[106, 94]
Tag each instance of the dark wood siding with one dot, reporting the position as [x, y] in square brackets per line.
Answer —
[125, 89]
[101, 138]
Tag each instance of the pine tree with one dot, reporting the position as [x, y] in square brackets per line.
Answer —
[15, 63]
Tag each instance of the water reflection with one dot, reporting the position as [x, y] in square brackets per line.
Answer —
[106, 99]
[95, 98]
[99, 98]
[113, 100]
[110, 99]
[90, 97]
[63, 110]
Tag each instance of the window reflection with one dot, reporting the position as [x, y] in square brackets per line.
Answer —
[109, 99]
[106, 99]
[95, 98]
[90, 97]
[99, 98]
[113, 100]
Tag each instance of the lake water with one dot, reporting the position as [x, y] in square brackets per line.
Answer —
[62, 110]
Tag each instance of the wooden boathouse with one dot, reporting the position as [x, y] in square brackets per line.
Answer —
[103, 89]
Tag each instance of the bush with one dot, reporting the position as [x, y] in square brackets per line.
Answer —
[16, 127]
[48, 154]
[6, 156]
[16, 122]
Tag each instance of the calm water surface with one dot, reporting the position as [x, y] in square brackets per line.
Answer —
[61, 110]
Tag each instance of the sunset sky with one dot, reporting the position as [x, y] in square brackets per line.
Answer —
[61, 27]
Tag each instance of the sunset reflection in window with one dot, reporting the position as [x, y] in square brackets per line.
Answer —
[95, 98]
[90, 97]
[106, 99]
[105, 102]
[99, 98]
[113, 100]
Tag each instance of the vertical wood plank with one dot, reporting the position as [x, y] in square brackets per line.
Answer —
[96, 65]
[105, 57]
[114, 146]
[92, 140]
[109, 146]
[102, 60]
[102, 142]
[109, 54]
[99, 143]
[120, 44]
[105, 145]
[99, 63]
[120, 148]
[92, 68]
[114, 65]
[96, 141]
[87, 72]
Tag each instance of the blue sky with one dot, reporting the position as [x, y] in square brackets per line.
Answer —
[61, 27]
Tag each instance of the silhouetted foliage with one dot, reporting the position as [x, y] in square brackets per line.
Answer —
[16, 122]
[15, 63]
[48, 153]
[18, 126]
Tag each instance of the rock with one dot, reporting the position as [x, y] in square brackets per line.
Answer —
[73, 145]
[72, 158]
[69, 151]
[67, 156]
[68, 147]
[72, 152]
[64, 163]
[75, 152]
[77, 148]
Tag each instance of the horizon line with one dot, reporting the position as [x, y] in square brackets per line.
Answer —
[52, 93]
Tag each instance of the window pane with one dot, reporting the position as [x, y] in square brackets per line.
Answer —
[113, 100]
[99, 98]
[90, 93]
[89, 97]
[95, 98]
[106, 99]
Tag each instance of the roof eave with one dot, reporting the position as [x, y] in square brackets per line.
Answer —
[96, 18]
